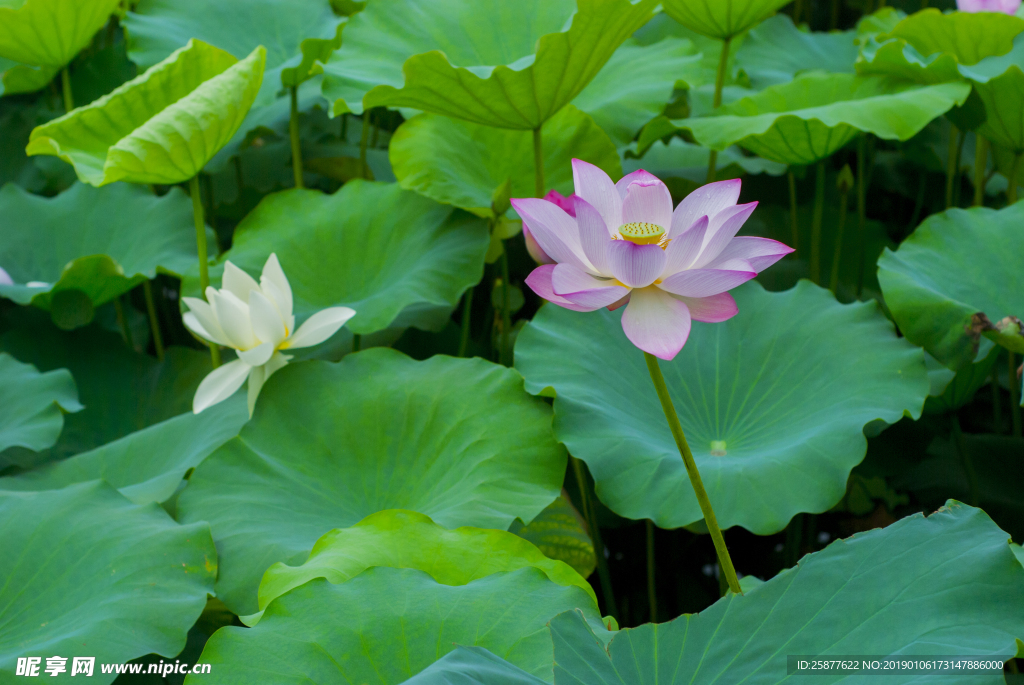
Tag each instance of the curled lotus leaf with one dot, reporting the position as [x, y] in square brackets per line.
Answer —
[161, 127]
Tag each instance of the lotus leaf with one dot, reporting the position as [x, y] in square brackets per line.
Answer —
[97, 242]
[161, 127]
[333, 443]
[934, 311]
[757, 397]
[34, 404]
[395, 611]
[814, 115]
[721, 18]
[401, 267]
[88, 573]
[775, 51]
[23, 78]
[462, 164]
[405, 539]
[559, 532]
[502, 64]
[59, 29]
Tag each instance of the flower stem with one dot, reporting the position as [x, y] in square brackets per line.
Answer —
[363, 140]
[506, 314]
[590, 514]
[834, 281]
[724, 560]
[652, 596]
[122, 321]
[966, 463]
[1011, 359]
[538, 163]
[951, 164]
[723, 62]
[204, 264]
[1011, 188]
[861, 211]
[980, 162]
[65, 82]
[154, 323]
[792, 212]
[467, 313]
[293, 132]
[819, 207]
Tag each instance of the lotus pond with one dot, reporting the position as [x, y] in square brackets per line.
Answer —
[580, 342]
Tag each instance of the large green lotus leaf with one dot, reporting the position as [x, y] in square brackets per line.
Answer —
[941, 585]
[560, 532]
[333, 443]
[492, 62]
[161, 127]
[50, 32]
[814, 115]
[34, 404]
[956, 264]
[122, 391]
[147, 465]
[764, 387]
[88, 573]
[721, 18]
[98, 242]
[458, 163]
[633, 87]
[680, 159]
[23, 78]
[299, 35]
[394, 256]
[471, 666]
[776, 51]
[388, 624]
[405, 539]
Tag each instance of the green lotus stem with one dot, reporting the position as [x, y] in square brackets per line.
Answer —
[819, 208]
[997, 409]
[793, 212]
[951, 164]
[723, 62]
[834, 281]
[590, 514]
[724, 560]
[357, 342]
[538, 163]
[922, 187]
[363, 140]
[293, 132]
[652, 596]
[506, 306]
[959, 158]
[65, 82]
[154, 323]
[861, 212]
[1011, 360]
[834, 24]
[467, 311]
[122, 321]
[1011, 188]
[204, 263]
[966, 463]
[980, 162]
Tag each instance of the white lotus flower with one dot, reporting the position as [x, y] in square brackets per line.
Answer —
[256, 319]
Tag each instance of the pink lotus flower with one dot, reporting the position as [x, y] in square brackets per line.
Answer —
[566, 203]
[626, 245]
[1004, 6]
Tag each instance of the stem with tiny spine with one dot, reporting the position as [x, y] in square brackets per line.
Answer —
[204, 264]
[467, 311]
[819, 208]
[506, 305]
[122, 321]
[590, 514]
[65, 82]
[538, 163]
[154, 323]
[792, 212]
[364, 138]
[724, 560]
[723, 62]
[951, 164]
[652, 596]
[834, 281]
[293, 132]
[980, 162]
